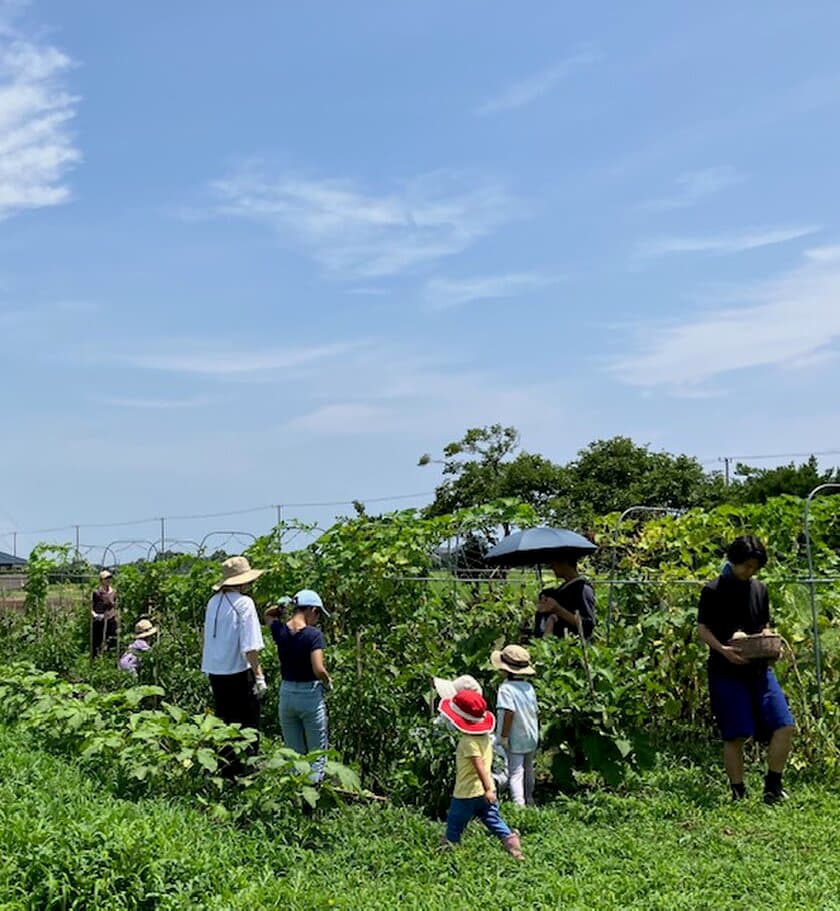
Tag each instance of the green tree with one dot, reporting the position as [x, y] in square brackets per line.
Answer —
[484, 465]
[758, 485]
[610, 475]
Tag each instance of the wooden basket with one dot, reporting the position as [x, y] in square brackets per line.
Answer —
[759, 646]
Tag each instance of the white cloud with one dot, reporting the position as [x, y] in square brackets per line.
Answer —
[792, 321]
[342, 418]
[156, 404]
[229, 361]
[538, 84]
[722, 243]
[36, 143]
[695, 186]
[356, 233]
[399, 391]
[445, 293]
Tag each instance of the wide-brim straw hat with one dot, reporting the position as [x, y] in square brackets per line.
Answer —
[468, 712]
[143, 629]
[237, 571]
[514, 659]
[446, 689]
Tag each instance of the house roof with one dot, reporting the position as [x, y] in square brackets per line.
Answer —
[10, 560]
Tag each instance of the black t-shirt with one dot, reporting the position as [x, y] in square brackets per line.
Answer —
[727, 605]
[576, 595]
[295, 650]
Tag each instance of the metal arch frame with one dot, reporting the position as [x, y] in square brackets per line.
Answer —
[230, 534]
[664, 510]
[813, 591]
[110, 547]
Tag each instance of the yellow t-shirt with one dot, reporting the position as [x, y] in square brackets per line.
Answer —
[467, 782]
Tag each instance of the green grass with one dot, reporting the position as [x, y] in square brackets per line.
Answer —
[672, 843]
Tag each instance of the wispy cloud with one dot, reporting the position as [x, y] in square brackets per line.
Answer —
[538, 84]
[155, 404]
[722, 243]
[446, 293]
[357, 233]
[792, 321]
[695, 186]
[36, 143]
[215, 361]
[342, 418]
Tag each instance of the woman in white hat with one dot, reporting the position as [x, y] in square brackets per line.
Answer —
[233, 641]
[300, 647]
[103, 616]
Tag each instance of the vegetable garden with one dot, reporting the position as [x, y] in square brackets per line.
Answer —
[398, 619]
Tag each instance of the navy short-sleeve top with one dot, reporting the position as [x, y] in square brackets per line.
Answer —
[295, 650]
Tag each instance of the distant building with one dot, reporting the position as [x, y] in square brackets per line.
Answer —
[8, 562]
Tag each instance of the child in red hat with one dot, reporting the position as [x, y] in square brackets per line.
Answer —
[475, 792]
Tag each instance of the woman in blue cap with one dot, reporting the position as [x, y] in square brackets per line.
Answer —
[304, 678]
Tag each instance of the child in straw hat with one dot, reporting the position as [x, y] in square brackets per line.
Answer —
[475, 793]
[518, 720]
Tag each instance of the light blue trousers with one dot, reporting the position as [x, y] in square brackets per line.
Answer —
[303, 720]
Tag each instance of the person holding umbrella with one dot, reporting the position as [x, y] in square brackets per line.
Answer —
[570, 607]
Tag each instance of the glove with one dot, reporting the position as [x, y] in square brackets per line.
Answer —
[260, 687]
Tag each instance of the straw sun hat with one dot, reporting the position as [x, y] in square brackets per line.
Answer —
[237, 571]
[514, 659]
[144, 628]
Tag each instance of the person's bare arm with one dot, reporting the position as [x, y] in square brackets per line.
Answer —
[486, 780]
[731, 654]
[318, 668]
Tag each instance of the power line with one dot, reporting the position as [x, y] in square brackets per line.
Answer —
[220, 515]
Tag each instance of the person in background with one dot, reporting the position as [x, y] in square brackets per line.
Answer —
[304, 678]
[746, 698]
[558, 609]
[103, 616]
[517, 720]
[133, 656]
[474, 794]
[233, 641]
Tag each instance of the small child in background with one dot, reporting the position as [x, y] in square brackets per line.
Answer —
[517, 720]
[475, 792]
[131, 659]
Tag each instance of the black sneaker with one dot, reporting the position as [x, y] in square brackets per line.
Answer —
[772, 796]
[739, 792]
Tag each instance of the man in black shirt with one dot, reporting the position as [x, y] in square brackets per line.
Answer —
[747, 700]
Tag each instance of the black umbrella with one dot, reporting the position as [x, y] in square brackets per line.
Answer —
[533, 546]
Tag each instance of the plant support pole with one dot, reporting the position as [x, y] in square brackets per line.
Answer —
[812, 591]
[666, 510]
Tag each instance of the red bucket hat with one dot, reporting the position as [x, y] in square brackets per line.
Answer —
[467, 710]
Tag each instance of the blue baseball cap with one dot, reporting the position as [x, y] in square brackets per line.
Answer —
[306, 597]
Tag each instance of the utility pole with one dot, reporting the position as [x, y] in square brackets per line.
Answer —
[77, 541]
[162, 535]
[726, 460]
[279, 508]
[14, 543]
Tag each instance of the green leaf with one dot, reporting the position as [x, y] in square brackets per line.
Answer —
[310, 795]
[207, 759]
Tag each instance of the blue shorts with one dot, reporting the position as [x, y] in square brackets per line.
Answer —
[750, 706]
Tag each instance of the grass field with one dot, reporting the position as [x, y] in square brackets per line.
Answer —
[673, 843]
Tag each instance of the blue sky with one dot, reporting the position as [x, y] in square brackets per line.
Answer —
[259, 253]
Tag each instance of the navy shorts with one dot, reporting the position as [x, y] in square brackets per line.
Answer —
[753, 706]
